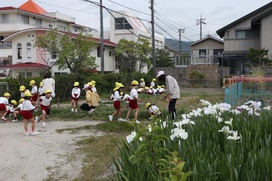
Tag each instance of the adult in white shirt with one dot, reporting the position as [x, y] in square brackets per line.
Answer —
[48, 83]
[173, 92]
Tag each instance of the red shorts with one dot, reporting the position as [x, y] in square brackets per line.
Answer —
[3, 107]
[117, 104]
[45, 107]
[133, 104]
[27, 114]
[74, 98]
[34, 97]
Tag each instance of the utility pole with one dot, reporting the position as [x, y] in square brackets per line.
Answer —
[153, 38]
[101, 33]
[200, 22]
[180, 31]
[101, 38]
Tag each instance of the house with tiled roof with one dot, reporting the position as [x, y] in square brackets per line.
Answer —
[253, 30]
[207, 51]
[20, 26]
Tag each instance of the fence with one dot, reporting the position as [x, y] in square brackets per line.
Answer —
[247, 88]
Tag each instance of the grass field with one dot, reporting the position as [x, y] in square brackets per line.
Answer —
[98, 150]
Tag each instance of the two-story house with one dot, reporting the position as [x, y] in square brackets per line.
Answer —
[253, 30]
[126, 25]
[206, 51]
[20, 26]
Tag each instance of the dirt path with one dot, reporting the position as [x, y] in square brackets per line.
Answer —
[49, 154]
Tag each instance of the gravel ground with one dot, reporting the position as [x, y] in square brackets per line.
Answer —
[47, 155]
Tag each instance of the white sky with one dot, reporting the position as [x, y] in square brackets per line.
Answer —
[170, 14]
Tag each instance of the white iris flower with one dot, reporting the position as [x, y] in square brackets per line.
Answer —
[178, 133]
[234, 136]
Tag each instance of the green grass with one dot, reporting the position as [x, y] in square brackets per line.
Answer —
[97, 151]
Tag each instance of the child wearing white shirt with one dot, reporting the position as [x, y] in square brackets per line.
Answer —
[27, 112]
[75, 96]
[45, 102]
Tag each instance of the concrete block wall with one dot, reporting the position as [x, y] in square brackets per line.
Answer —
[213, 74]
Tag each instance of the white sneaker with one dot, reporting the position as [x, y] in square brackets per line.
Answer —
[43, 124]
[91, 111]
[110, 117]
[137, 122]
[72, 109]
[15, 120]
[120, 119]
[27, 133]
[75, 110]
[34, 133]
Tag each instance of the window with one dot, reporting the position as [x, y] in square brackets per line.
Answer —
[28, 50]
[218, 52]
[5, 44]
[25, 19]
[19, 50]
[61, 27]
[202, 53]
[25, 75]
[4, 18]
[60, 73]
[38, 22]
[242, 34]
[122, 23]
[110, 53]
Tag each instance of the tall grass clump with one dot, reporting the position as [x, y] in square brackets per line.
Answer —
[215, 142]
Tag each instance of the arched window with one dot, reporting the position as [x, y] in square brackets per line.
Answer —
[28, 50]
[19, 50]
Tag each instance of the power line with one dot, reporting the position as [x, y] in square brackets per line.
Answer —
[165, 31]
[65, 7]
[129, 8]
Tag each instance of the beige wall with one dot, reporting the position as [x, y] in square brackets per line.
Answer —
[266, 34]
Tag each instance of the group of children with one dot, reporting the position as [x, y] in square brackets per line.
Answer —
[92, 97]
[151, 89]
[132, 100]
[30, 101]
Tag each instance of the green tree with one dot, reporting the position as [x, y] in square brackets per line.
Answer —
[258, 57]
[163, 58]
[133, 56]
[72, 52]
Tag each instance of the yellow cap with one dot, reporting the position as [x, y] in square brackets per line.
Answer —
[21, 100]
[142, 79]
[27, 94]
[134, 82]
[48, 91]
[76, 84]
[147, 105]
[154, 80]
[6, 94]
[13, 102]
[119, 85]
[40, 84]
[22, 88]
[32, 82]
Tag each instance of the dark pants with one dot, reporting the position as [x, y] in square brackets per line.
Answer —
[86, 107]
[172, 108]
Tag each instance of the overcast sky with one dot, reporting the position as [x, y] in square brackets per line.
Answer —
[170, 14]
